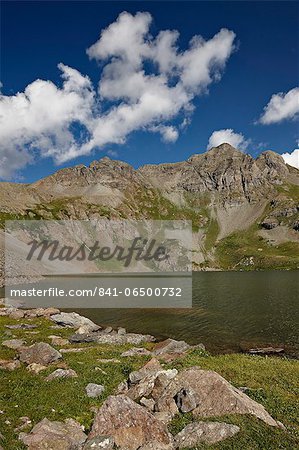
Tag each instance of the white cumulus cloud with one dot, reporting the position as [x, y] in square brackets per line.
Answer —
[145, 83]
[292, 158]
[228, 136]
[281, 106]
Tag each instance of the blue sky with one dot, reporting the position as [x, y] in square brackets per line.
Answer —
[37, 36]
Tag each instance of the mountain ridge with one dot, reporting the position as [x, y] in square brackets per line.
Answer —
[229, 196]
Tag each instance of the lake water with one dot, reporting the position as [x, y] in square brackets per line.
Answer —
[231, 310]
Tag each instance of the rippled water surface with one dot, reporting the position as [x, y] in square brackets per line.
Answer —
[230, 310]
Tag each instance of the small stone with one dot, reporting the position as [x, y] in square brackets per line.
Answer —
[136, 351]
[14, 343]
[18, 314]
[36, 368]
[58, 340]
[149, 403]
[51, 311]
[186, 400]
[61, 373]
[121, 331]
[94, 390]
[10, 364]
[107, 330]
[25, 422]
[163, 416]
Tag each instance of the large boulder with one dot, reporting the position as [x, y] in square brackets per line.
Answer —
[39, 353]
[131, 425]
[204, 432]
[55, 435]
[208, 394]
[74, 320]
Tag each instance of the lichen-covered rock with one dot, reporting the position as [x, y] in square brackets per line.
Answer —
[74, 320]
[100, 443]
[204, 432]
[131, 425]
[15, 344]
[136, 351]
[55, 435]
[171, 346]
[210, 394]
[39, 353]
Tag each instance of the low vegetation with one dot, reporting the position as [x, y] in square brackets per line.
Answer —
[271, 381]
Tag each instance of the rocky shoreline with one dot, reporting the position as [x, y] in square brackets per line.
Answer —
[137, 415]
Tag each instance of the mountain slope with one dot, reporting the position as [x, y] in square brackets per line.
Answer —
[244, 211]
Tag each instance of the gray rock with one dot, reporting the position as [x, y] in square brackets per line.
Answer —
[121, 331]
[212, 394]
[94, 390]
[266, 351]
[58, 340]
[74, 320]
[21, 326]
[14, 343]
[61, 373]
[17, 314]
[131, 425]
[148, 403]
[186, 400]
[149, 381]
[171, 346]
[55, 435]
[204, 432]
[100, 443]
[136, 351]
[150, 368]
[107, 330]
[129, 338]
[39, 353]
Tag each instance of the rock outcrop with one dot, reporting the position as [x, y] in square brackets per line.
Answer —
[130, 425]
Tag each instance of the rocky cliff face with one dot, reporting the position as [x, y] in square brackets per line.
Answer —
[244, 210]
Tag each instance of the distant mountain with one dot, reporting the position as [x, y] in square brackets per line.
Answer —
[245, 211]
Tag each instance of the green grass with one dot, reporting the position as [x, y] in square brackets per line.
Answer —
[234, 251]
[211, 234]
[271, 381]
